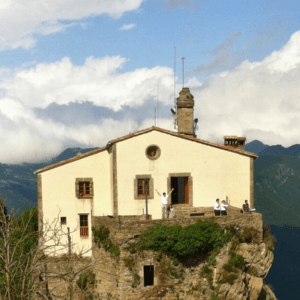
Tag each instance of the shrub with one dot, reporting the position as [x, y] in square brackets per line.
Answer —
[269, 239]
[248, 235]
[158, 257]
[167, 268]
[206, 270]
[230, 268]
[101, 238]
[85, 280]
[228, 278]
[212, 258]
[238, 261]
[235, 262]
[214, 297]
[177, 242]
[129, 263]
[136, 280]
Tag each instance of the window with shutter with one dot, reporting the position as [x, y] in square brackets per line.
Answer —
[84, 228]
[84, 188]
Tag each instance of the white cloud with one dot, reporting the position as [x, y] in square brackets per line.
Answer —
[259, 100]
[97, 81]
[21, 20]
[127, 26]
[24, 137]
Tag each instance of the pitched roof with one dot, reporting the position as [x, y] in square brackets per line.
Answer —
[131, 135]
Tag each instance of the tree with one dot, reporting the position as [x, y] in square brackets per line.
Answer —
[26, 254]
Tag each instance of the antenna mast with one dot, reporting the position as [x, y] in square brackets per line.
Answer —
[157, 103]
[183, 58]
[175, 118]
[174, 74]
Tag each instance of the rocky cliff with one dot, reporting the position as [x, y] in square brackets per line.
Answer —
[215, 282]
[236, 271]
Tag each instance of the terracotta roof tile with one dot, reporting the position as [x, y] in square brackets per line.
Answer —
[191, 138]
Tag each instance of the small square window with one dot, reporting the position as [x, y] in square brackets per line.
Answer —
[63, 220]
[143, 186]
[84, 187]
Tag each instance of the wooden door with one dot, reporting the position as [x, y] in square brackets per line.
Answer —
[186, 190]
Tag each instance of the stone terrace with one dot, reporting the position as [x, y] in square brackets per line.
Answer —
[124, 227]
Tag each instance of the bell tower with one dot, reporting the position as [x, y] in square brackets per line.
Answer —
[185, 112]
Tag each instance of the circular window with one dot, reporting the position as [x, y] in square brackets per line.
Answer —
[153, 152]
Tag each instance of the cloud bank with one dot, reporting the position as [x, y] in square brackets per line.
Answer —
[26, 136]
[258, 100]
[21, 21]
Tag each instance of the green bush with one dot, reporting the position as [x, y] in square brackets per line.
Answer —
[206, 270]
[230, 268]
[228, 278]
[101, 238]
[182, 242]
[136, 280]
[235, 262]
[129, 263]
[238, 261]
[248, 235]
[214, 297]
[132, 248]
[85, 280]
[269, 239]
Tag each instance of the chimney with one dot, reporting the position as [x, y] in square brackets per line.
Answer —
[185, 112]
[234, 141]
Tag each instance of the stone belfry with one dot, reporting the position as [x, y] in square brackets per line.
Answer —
[185, 112]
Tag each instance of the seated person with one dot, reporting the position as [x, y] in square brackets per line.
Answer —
[246, 208]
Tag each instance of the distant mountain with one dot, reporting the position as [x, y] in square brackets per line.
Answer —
[276, 183]
[277, 189]
[255, 146]
[279, 150]
[18, 184]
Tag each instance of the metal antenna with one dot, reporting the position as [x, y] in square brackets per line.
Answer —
[183, 58]
[157, 103]
[175, 87]
[174, 74]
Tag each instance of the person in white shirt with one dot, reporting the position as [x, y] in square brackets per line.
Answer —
[164, 202]
[223, 208]
[217, 207]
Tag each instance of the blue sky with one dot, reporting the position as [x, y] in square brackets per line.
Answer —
[80, 73]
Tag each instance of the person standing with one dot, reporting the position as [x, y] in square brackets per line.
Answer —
[217, 207]
[224, 208]
[164, 201]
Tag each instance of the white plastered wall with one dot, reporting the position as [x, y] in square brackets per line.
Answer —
[216, 173]
[59, 197]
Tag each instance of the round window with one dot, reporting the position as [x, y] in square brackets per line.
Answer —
[153, 152]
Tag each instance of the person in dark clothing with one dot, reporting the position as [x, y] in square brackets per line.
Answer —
[246, 207]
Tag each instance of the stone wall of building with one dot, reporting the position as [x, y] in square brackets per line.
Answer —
[123, 277]
[121, 228]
